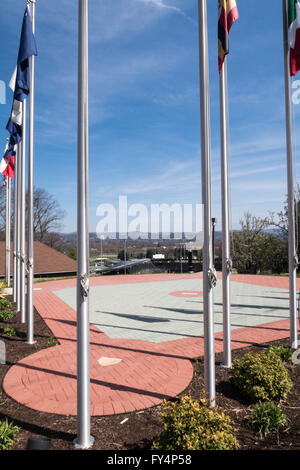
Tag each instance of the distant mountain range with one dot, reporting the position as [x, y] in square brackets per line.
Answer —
[71, 237]
[132, 235]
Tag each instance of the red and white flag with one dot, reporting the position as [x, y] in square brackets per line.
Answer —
[7, 164]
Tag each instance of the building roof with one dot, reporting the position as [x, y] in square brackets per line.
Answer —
[46, 260]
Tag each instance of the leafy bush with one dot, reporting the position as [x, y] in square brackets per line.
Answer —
[261, 376]
[267, 417]
[6, 315]
[2, 287]
[285, 354]
[4, 304]
[10, 331]
[191, 425]
[8, 433]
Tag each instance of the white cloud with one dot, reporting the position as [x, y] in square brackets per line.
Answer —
[170, 181]
[160, 4]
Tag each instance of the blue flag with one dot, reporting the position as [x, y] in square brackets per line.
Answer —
[26, 50]
[15, 130]
[10, 150]
[22, 84]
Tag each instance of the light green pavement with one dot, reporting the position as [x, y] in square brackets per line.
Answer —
[147, 311]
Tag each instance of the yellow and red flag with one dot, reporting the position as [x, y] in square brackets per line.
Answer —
[228, 14]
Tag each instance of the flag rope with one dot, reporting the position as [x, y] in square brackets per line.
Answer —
[84, 285]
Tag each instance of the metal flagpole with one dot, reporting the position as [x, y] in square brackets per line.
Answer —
[125, 256]
[30, 240]
[226, 260]
[18, 181]
[15, 234]
[84, 439]
[293, 259]
[22, 216]
[209, 277]
[9, 230]
[6, 228]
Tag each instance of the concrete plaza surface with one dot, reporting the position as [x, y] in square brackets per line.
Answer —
[144, 331]
[149, 312]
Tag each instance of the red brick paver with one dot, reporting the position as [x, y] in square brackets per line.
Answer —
[185, 293]
[145, 374]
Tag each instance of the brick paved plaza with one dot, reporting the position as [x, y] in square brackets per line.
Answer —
[144, 331]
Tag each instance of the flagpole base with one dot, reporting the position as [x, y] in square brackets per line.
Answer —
[30, 342]
[84, 446]
[226, 366]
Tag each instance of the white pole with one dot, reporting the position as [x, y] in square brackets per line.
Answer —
[293, 260]
[15, 233]
[226, 261]
[18, 181]
[84, 439]
[30, 239]
[22, 217]
[9, 231]
[209, 277]
[6, 228]
[125, 256]
[181, 258]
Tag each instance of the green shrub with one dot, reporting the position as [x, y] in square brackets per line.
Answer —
[8, 433]
[191, 425]
[5, 304]
[6, 315]
[10, 331]
[261, 376]
[267, 417]
[285, 354]
[2, 287]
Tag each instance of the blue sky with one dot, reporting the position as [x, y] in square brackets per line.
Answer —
[144, 103]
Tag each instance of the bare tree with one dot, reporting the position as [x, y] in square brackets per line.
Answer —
[47, 215]
[47, 218]
[279, 220]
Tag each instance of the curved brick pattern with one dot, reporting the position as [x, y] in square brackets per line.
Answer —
[46, 381]
[141, 373]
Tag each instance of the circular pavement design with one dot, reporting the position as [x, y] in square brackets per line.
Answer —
[47, 380]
